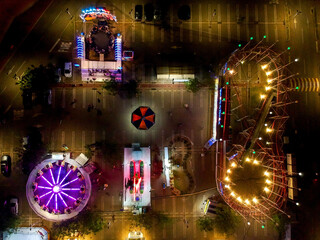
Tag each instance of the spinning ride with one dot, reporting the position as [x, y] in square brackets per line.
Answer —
[58, 189]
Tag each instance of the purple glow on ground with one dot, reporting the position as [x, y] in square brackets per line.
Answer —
[49, 189]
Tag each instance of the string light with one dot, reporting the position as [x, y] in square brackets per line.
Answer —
[264, 66]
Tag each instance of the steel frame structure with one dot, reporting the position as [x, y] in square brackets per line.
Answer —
[267, 152]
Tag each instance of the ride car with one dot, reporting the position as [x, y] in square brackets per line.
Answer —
[5, 165]
[68, 69]
[138, 12]
[148, 12]
[14, 206]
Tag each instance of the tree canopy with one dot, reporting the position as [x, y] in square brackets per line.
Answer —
[8, 221]
[149, 220]
[86, 222]
[226, 220]
[127, 89]
[37, 78]
[33, 152]
[280, 224]
[205, 224]
[193, 85]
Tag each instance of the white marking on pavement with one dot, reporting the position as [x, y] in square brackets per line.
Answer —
[53, 98]
[162, 98]
[73, 140]
[171, 24]
[266, 22]
[83, 140]
[74, 98]
[190, 31]
[20, 66]
[275, 22]
[56, 17]
[63, 138]
[10, 71]
[181, 32]
[63, 98]
[201, 99]
[172, 99]
[143, 32]
[152, 33]
[84, 97]
[5, 87]
[219, 25]
[200, 23]
[210, 18]
[162, 35]
[228, 22]
[94, 98]
[238, 25]
[54, 45]
[104, 100]
[256, 19]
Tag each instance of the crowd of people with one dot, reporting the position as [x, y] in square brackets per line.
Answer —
[103, 28]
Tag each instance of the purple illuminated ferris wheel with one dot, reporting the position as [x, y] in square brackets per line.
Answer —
[58, 189]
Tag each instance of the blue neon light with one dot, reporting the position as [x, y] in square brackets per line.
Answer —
[118, 48]
[221, 188]
[220, 101]
[233, 156]
[79, 47]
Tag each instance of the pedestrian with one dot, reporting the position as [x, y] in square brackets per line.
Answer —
[113, 218]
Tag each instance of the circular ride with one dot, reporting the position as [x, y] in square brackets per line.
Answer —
[101, 39]
[251, 175]
[58, 189]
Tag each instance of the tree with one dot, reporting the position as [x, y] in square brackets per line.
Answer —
[205, 224]
[111, 87]
[226, 220]
[37, 79]
[149, 220]
[129, 89]
[280, 223]
[32, 153]
[86, 222]
[193, 85]
[8, 221]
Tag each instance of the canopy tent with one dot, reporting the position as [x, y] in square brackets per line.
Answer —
[143, 118]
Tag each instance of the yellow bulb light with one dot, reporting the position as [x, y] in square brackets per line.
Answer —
[233, 165]
[239, 199]
[262, 96]
[227, 179]
[255, 200]
[266, 189]
[255, 162]
[268, 73]
[264, 66]
[266, 173]
[268, 181]
[268, 88]
[229, 171]
[248, 160]
[232, 194]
